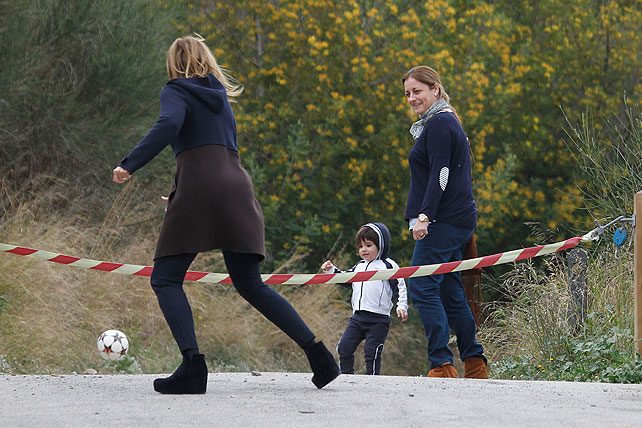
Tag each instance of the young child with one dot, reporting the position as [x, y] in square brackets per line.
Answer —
[371, 300]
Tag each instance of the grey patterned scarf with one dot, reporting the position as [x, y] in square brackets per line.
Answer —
[418, 127]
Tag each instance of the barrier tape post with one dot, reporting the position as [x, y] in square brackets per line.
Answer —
[637, 271]
[292, 279]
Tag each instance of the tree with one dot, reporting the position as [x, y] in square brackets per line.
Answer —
[323, 121]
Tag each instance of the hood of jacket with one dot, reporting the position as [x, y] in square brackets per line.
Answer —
[207, 89]
[384, 237]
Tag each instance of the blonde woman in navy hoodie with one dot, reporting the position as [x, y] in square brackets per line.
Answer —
[372, 301]
[211, 206]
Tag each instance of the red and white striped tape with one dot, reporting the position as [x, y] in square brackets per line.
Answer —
[292, 279]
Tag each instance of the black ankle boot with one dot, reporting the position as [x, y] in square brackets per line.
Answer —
[323, 365]
[189, 378]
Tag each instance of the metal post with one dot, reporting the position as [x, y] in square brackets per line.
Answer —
[637, 271]
[577, 278]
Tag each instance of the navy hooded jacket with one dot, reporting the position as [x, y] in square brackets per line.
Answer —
[210, 120]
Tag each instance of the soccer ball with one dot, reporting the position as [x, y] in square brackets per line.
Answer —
[112, 345]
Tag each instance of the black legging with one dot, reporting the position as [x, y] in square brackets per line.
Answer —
[167, 283]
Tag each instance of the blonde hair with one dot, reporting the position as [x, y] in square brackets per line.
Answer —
[430, 77]
[190, 57]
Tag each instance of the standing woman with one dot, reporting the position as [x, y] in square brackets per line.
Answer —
[442, 216]
[211, 206]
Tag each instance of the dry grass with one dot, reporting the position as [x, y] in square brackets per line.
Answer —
[51, 314]
[536, 319]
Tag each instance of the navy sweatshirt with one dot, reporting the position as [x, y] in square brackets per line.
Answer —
[440, 176]
[210, 120]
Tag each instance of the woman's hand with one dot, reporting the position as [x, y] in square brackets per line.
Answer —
[420, 230]
[121, 175]
[401, 313]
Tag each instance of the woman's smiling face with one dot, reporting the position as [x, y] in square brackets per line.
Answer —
[419, 95]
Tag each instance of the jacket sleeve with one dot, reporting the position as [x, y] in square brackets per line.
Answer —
[439, 145]
[402, 300]
[164, 132]
[337, 270]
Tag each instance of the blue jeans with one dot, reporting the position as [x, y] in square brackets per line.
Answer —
[440, 299]
[167, 283]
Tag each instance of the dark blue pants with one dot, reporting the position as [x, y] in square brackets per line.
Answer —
[167, 283]
[440, 299]
[374, 333]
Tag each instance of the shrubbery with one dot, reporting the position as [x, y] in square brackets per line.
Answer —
[532, 335]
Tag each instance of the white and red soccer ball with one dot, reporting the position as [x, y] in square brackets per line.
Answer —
[112, 345]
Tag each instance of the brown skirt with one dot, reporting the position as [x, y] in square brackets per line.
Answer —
[211, 206]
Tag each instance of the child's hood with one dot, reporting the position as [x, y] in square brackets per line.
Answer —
[207, 89]
[384, 237]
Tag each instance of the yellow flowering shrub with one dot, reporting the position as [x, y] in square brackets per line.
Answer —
[325, 123]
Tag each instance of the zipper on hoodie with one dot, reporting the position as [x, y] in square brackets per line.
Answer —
[361, 293]
[383, 289]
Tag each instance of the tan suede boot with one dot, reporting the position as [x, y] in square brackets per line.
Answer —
[475, 368]
[444, 370]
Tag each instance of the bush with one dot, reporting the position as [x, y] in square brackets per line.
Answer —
[592, 357]
[609, 160]
[80, 88]
[533, 335]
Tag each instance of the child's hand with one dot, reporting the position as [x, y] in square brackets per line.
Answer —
[327, 265]
[401, 313]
